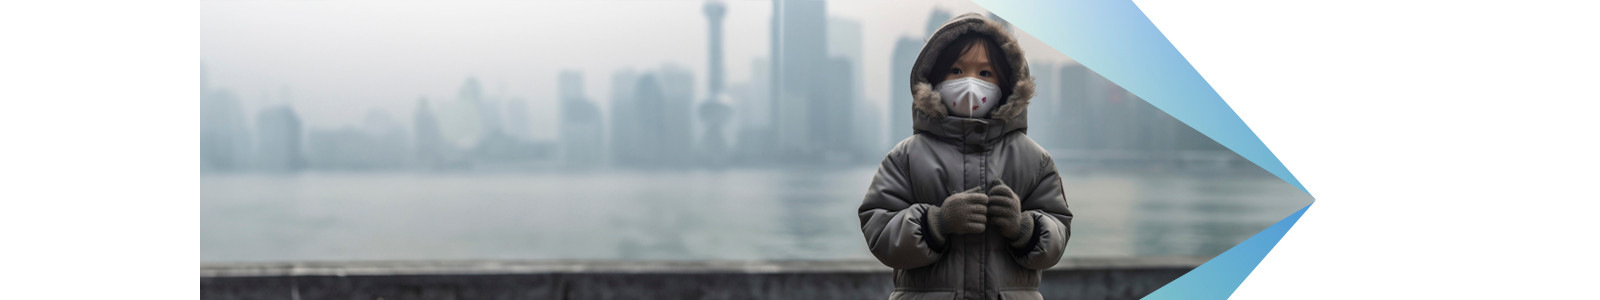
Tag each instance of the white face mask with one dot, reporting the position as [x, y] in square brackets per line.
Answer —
[969, 96]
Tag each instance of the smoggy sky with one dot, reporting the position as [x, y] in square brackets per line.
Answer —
[335, 60]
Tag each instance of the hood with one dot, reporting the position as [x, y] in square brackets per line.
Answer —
[928, 110]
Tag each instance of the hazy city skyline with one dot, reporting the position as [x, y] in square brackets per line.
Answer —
[319, 140]
[802, 103]
[338, 60]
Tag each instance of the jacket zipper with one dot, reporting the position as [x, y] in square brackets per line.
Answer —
[983, 257]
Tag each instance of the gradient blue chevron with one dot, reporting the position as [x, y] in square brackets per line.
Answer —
[1115, 39]
[1219, 277]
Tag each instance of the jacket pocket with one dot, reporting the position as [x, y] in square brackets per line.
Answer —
[920, 295]
[1021, 295]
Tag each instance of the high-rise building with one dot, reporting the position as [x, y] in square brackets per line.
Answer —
[466, 121]
[224, 137]
[844, 41]
[378, 143]
[754, 106]
[857, 120]
[427, 141]
[652, 125]
[832, 111]
[936, 19]
[279, 139]
[1076, 117]
[517, 124]
[904, 56]
[677, 114]
[1110, 119]
[868, 128]
[582, 130]
[1044, 109]
[471, 92]
[755, 137]
[644, 119]
[625, 121]
[389, 135]
[798, 53]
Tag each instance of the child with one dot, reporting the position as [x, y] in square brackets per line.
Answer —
[969, 207]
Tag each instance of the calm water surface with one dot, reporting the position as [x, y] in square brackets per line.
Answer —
[727, 214]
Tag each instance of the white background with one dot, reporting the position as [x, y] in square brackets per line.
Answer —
[99, 131]
[1449, 145]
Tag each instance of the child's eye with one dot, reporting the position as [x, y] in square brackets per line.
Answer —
[984, 73]
[956, 71]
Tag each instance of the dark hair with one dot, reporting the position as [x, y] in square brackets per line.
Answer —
[963, 44]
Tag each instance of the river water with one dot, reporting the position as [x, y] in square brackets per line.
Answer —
[740, 214]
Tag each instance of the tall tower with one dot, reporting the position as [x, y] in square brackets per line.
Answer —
[714, 113]
[715, 10]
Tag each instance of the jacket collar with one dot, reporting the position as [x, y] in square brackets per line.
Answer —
[970, 134]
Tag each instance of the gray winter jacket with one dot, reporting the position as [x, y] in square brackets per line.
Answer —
[951, 154]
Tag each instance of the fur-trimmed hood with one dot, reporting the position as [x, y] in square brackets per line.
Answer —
[928, 109]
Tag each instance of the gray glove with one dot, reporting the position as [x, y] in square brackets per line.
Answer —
[963, 213]
[1005, 216]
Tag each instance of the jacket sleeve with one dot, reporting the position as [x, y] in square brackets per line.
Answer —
[1047, 204]
[892, 222]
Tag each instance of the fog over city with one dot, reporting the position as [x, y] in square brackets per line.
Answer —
[336, 59]
[460, 130]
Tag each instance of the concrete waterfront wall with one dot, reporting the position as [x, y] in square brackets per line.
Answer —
[1125, 278]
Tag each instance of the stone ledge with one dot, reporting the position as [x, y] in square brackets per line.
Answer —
[1097, 278]
[508, 267]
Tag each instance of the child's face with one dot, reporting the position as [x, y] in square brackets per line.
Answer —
[974, 63]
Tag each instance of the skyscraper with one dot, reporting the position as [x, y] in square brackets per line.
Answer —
[517, 123]
[224, 137]
[279, 139]
[1076, 116]
[832, 110]
[905, 55]
[378, 143]
[844, 41]
[485, 108]
[427, 140]
[466, 121]
[582, 133]
[858, 120]
[677, 114]
[624, 116]
[936, 19]
[653, 123]
[1044, 110]
[644, 119]
[798, 52]
[755, 127]
[755, 108]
